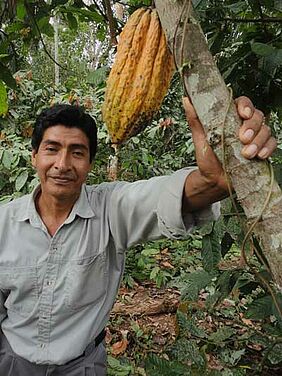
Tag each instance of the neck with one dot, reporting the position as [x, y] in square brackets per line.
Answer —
[54, 211]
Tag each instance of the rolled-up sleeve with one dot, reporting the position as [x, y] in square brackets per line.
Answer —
[152, 209]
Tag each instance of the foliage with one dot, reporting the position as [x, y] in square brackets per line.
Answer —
[245, 37]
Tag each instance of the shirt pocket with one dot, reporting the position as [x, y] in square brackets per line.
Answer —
[21, 286]
[86, 281]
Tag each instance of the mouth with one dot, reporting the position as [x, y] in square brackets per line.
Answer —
[61, 180]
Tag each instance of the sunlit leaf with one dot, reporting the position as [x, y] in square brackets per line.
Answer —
[7, 159]
[21, 180]
[21, 11]
[3, 99]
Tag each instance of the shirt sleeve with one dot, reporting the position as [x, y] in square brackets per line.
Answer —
[3, 312]
[152, 209]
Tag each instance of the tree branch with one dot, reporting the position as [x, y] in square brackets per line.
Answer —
[112, 23]
[98, 9]
[253, 20]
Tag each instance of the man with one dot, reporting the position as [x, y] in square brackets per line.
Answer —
[62, 248]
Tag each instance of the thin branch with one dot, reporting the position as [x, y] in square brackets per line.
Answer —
[112, 23]
[42, 40]
[99, 10]
[253, 20]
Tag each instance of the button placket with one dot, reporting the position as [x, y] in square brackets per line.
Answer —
[46, 300]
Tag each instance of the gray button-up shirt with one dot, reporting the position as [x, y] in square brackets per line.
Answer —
[56, 292]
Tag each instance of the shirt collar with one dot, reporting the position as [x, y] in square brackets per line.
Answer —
[81, 207]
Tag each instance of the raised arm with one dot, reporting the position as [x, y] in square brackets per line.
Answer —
[207, 184]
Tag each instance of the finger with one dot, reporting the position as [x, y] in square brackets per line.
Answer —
[245, 107]
[250, 128]
[194, 123]
[258, 143]
[268, 148]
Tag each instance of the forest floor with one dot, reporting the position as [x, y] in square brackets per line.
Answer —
[144, 321]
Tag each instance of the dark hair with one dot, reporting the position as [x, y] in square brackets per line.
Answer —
[69, 116]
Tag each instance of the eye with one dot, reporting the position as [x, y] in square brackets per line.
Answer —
[51, 149]
[78, 153]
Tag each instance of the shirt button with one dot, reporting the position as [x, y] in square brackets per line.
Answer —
[42, 345]
[48, 283]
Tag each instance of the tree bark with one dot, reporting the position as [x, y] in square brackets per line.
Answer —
[251, 179]
[111, 20]
[56, 51]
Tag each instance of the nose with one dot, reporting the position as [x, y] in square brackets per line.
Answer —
[62, 162]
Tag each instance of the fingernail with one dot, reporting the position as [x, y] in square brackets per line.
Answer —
[247, 112]
[263, 153]
[250, 150]
[249, 134]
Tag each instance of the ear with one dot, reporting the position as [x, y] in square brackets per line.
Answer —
[33, 158]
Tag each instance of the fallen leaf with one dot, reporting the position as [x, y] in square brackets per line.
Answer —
[120, 346]
[167, 264]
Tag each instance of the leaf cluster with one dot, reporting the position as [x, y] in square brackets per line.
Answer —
[246, 39]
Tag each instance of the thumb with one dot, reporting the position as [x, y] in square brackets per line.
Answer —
[198, 132]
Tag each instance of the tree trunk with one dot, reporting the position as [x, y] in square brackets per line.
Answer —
[56, 49]
[251, 179]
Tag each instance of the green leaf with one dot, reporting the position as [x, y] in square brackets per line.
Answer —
[72, 21]
[21, 11]
[97, 76]
[159, 366]
[85, 14]
[116, 368]
[226, 282]
[275, 355]
[7, 159]
[185, 349]
[226, 243]
[262, 49]
[45, 26]
[211, 254]
[21, 180]
[273, 61]
[3, 99]
[231, 357]
[5, 75]
[260, 308]
[154, 272]
[278, 5]
[150, 252]
[234, 227]
[189, 324]
[221, 334]
[195, 282]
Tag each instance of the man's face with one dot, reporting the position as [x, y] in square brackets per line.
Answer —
[62, 162]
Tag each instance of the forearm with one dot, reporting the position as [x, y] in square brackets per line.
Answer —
[199, 192]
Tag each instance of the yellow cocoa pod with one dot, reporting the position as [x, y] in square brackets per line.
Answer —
[139, 78]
